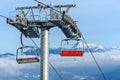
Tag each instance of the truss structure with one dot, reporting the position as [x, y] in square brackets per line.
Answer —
[30, 18]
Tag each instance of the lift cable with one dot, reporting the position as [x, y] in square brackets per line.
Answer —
[34, 43]
[56, 71]
[59, 33]
[3, 16]
[47, 6]
[49, 62]
[21, 41]
[102, 73]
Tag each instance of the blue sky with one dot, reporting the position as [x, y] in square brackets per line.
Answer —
[98, 20]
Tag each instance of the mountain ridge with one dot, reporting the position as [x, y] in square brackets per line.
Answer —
[6, 55]
[95, 48]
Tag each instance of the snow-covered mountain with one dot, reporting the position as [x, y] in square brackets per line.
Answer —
[116, 48]
[95, 48]
[6, 55]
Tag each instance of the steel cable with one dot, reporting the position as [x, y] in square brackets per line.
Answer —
[102, 73]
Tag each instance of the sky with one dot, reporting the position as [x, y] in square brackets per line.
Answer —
[98, 20]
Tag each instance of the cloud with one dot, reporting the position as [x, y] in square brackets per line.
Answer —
[70, 68]
[78, 77]
[102, 58]
[10, 68]
[85, 67]
[67, 73]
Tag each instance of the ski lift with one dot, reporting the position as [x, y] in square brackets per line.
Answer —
[72, 47]
[23, 52]
[26, 54]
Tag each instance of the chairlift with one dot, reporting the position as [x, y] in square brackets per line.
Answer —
[22, 56]
[72, 47]
[26, 54]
